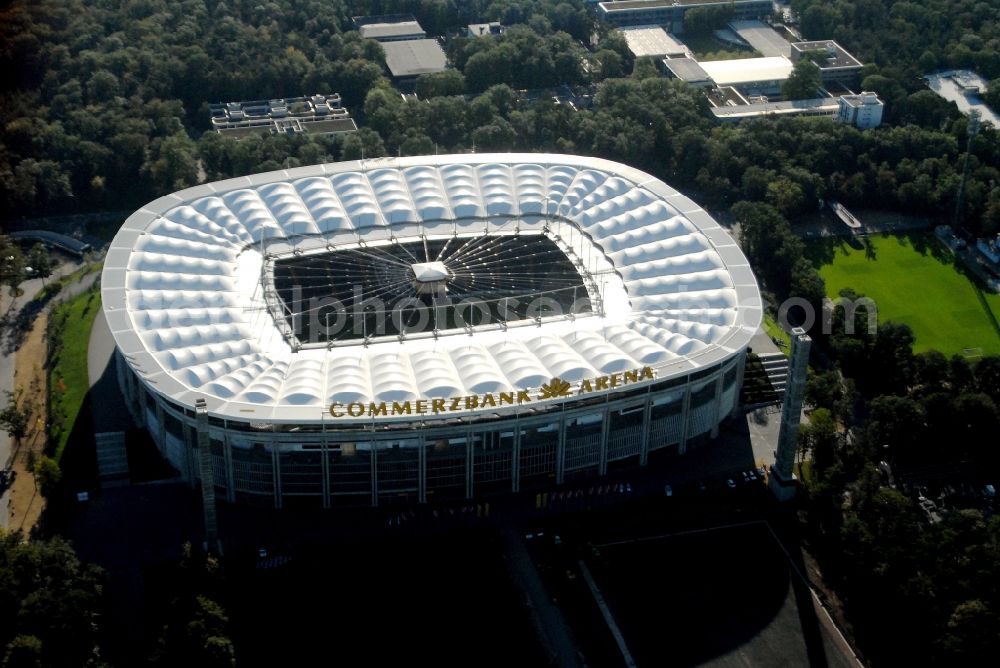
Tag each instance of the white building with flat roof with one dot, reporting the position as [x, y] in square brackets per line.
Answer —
[863, 111]
[750, 75]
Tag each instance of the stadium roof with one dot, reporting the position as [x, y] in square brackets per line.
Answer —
[747, 70]
[187, 281]
[413, 57]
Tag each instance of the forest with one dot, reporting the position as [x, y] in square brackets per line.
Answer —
[109, 105]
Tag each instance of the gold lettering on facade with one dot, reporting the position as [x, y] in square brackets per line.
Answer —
[554, 389]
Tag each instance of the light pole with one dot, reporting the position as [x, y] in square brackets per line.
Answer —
[972, 129]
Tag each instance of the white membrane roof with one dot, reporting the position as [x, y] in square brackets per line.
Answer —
[182, 283]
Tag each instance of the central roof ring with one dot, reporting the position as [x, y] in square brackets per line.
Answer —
[513, 261]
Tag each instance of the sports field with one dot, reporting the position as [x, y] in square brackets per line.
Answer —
[913, 280]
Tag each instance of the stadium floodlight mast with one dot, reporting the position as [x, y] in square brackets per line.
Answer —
[971, 130]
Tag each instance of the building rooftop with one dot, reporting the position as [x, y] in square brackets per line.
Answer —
[860, 100]
[413, 57]
[762, 38]
[727, 96]
[957, 86]
[686, 69]
[825, 105]
[484, 29]
[747, 70]
[837, 56]
[649, 4]
[389, 30]
[651, 41]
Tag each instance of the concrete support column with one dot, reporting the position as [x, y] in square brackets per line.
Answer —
[190, 466]
[685, 418]
[515, 460]
[469, 461]
[140, 398]
[718, 407]
[740, 370]
[422, 472]
[374, 470]
[230, 475]
[207, 483]
[602, 463]
[561, 452]
[324, 467]
[276, 465]
[647, 410]
[161, 427]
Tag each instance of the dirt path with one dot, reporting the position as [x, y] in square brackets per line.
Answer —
[25, 503]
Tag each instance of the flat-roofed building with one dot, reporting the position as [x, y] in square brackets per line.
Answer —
[835, 63]
[409, 59]
[863, 111]
[494, 28]
[652, 42]
[315, 114]
[826, 106]
[670, 13]
[389, 28]
[762, 37]
[687, 70]
[751, 76]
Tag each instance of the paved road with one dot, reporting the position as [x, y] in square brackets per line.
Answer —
[9, 308]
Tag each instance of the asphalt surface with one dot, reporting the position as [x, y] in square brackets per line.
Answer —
[10, 308]
[107, 405]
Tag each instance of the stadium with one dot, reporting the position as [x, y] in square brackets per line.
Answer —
[427, 327]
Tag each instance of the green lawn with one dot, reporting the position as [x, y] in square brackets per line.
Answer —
[913, 280]
[70, 325]
[775, 331]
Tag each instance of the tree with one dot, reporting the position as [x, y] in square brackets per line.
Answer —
[41, 262]
[12, 267]
[24, 651]
[47, 475]
[972, 636]
[992, 95]
[50, 603]
[438, 84]
[15, 416]
[822, 440]
[195, 630]
[803, 82]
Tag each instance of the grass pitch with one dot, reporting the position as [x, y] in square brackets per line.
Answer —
[914, 280]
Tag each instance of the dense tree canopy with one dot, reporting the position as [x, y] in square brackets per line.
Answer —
[50, 604]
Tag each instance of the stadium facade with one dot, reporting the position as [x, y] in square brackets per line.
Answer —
[427, 327]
